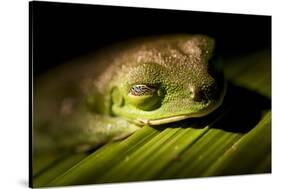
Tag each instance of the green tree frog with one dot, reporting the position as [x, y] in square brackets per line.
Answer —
[111, 94]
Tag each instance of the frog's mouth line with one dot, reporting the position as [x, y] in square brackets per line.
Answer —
[182, 117]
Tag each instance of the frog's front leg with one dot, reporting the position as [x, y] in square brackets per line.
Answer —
[81, 131]
[101, 129]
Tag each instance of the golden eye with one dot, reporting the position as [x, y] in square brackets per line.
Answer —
[142, 90]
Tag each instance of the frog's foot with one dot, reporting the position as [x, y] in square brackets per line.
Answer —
[105, 133]
[103, 129]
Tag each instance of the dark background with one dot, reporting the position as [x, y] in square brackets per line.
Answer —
[61, 31]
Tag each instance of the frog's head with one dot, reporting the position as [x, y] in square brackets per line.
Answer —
[167, 80]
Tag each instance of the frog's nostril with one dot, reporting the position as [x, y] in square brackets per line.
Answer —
[197, 94]
[204, 93]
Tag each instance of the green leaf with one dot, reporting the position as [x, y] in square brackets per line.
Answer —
[236, 139]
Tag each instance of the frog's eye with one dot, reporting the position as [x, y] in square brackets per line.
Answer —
[141, 90]
[144, 97]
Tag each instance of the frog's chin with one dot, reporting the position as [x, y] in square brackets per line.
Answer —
[162, 120]
[171, 119]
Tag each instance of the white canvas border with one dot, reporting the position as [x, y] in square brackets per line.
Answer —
[14, 92]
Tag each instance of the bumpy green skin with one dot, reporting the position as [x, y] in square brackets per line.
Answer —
[91, 102]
